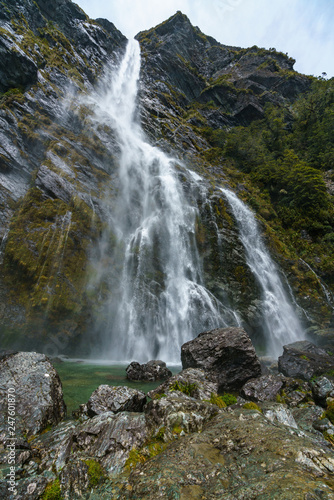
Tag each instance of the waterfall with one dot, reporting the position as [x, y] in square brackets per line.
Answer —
[282, 325]
[158, 299]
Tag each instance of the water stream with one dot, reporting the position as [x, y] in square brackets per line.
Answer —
[281, 323]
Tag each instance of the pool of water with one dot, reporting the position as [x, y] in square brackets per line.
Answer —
[80, 379]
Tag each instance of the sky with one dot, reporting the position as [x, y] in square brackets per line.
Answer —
[302, 28]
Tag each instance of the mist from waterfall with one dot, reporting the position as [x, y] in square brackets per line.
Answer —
[282, 325]
[157, 298]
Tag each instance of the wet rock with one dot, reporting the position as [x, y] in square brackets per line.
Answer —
[281, 414]
[53, 448]
[304, 360]
[239, 454]
[201, 387]
[115, 399]
[110, 437]
[153, 370]
[305, 417]
[322, 388]
[263, 388]
[36, 388]
[178, 411]
[227, 355]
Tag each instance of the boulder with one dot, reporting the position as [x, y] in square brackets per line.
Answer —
[34, 389]
[227, 355]
[304, 360]
[322, 388]
[178, 413]
[195, 379]
[115, 399]
[264, 388]
[151, 371]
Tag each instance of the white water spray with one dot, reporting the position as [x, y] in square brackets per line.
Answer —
[158, 299]
[281, 323]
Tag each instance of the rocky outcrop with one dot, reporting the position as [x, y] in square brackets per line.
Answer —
[227, 355]
[29, 379]
[115, 399]
[238, 454]
[304, 360]
[151, 371]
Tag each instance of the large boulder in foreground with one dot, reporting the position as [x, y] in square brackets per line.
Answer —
[151, 371]
[115, 399]
[227, 355]
[304, 360]
[34, 390]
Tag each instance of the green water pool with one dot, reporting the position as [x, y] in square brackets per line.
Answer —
[80, 379]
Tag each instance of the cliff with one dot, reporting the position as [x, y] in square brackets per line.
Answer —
[58, 167]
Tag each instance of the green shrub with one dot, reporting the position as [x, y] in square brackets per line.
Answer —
[216, 400]
[228, 399]
[186, 388]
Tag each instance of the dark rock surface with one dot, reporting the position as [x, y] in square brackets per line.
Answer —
[202, 386]
[36, 388]
[153, 370]
[115, 399]
[262, 389]
[304, 360]
[227, 355]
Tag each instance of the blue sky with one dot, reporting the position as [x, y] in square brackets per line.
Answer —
[302, 28]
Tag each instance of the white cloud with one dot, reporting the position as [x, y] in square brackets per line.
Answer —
[303, 28]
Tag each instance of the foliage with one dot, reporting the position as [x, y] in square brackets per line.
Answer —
[216, 400]
[52, 491]
[186, 388]
[228, 399]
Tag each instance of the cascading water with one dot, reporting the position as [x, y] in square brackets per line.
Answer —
[281, 323]
[158, 299]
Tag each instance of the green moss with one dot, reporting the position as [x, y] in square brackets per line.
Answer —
[136, 457]
[186, 388]
[252, 406]
[96, 473]
[329, 413]
[46, 254]
[52, 491]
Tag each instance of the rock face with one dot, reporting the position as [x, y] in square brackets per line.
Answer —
[304, 360]
[226, 354]
[36, 388]
[115, 399]
[153, 370]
